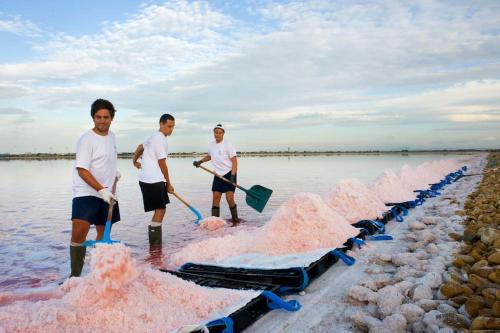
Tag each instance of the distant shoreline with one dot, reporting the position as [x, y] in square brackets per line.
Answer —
[71, 156]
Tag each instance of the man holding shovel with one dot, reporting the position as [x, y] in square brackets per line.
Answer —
[93, 177]
[223, 156]
[154, 178]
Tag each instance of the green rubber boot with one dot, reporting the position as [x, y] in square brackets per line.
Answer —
[77, 256]
[154, 235]
[234, 214]
[216, 211]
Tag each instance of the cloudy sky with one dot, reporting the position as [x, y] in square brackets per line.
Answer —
[309, 75]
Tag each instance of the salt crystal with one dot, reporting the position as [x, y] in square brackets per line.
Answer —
[212, 223]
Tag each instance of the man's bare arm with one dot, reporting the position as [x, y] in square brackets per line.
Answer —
[138, 153]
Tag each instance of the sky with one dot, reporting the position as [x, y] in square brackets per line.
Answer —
[299, 75]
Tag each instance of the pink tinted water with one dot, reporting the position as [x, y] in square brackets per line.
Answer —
[35, 206]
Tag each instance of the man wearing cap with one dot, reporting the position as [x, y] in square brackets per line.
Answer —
[154, 179]
[223, 156]
[94, 174]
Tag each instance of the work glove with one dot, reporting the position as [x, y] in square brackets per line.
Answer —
[107, 195]
[233, 178]
[197, 163]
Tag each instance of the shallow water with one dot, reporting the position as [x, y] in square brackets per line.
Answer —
[35, 206]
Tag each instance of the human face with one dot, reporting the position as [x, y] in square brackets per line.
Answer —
[102, 121]
[167, 127]
[218, 135]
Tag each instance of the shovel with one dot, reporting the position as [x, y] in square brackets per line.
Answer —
[106, 238]
[198, 215]
[257, 195]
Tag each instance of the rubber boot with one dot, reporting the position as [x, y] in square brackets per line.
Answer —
[154, 235]
[234, 214]
[77, 256]
[216, 211]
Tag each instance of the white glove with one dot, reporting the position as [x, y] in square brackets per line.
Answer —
[118, 175]
[107, 195]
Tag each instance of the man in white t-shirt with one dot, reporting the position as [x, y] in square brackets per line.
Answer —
[93, 177]
[223, 156]
[154, 179]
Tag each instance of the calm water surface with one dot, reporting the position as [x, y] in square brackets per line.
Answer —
[35, 206]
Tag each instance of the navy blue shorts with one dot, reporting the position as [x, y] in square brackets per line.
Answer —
[93, 210]
[218, 185]
[154, 195]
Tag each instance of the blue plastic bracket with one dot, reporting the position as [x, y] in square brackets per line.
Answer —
[305, 282]
[379, 237]
[226, 321]
[396, 215]
[274, 302]
[358, 241]
[349, 261]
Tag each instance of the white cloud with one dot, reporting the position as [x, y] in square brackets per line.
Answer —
[307, 65]
[157, 42]
[18, 26]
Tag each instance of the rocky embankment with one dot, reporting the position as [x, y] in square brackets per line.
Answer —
[474, 287]
[446, 276]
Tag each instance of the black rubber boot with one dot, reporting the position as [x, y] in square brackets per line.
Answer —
[77, 256]
[216, 211]
[234, 214]
[154, 235]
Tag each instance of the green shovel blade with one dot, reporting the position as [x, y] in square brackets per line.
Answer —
[257, 197]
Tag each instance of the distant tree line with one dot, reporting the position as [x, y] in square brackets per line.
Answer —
[46, 156]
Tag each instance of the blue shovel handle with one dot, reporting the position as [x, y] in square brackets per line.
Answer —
[198, 215]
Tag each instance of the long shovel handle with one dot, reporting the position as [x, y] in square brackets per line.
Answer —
[224, 179]
[181, 200]
[110, 209]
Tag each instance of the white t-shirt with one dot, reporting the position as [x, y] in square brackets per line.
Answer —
[97, 154]
[220, 154]
[155, 148]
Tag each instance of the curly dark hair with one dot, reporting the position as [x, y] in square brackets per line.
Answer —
[102, 104]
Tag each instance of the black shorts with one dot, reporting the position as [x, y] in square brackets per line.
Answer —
[93, 210]
[218, 185]
[154, 196]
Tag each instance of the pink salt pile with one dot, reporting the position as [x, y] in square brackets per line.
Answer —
[304, 223]
[212, 223]
[118, 296]
[354, 201]
[413, 180]
[428, 173]
[389, 188]
[435, 171]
